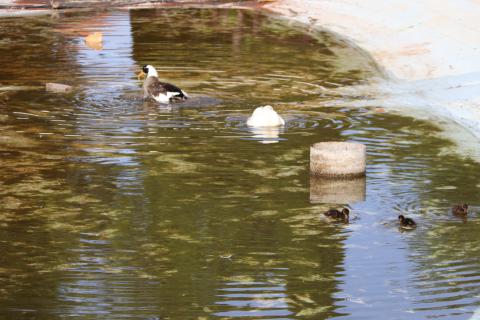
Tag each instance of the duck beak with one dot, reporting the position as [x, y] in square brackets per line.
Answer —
[141, 75]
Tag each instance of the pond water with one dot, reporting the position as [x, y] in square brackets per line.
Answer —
[112, 207]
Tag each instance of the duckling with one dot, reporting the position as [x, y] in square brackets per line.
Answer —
[460, 209]
[159, 91]
[406, 222]
[338, 215]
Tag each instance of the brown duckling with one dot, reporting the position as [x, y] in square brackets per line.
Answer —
[339, 215]
[461, 209]
[406, 222]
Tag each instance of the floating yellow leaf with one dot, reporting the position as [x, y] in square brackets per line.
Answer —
[94, 41]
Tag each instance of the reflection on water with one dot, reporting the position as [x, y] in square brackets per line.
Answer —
[328, 190]
[266, 135]
[116, 208]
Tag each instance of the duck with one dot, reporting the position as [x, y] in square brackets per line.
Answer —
[265, 116]
[460, 209]
[159, 91]
[406, 222]
[339, 215]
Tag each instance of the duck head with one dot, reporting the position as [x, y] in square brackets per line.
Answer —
[346, 212]
[401, 218]
[147, 71]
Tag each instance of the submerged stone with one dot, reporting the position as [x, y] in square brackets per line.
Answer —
[58, 87]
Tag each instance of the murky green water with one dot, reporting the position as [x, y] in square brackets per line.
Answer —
[115, 208]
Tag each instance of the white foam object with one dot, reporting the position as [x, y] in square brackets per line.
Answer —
[265, 117]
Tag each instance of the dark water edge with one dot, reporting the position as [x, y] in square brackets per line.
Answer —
[19, 5]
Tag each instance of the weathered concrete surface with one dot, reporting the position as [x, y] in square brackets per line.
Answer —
[338, 159]
[413, 40]
[429, 51]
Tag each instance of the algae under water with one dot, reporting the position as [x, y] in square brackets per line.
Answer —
[112, 208]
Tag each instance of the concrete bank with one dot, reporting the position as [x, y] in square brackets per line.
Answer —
[429, 51]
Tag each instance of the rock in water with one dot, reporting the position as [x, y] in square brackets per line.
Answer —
[58, 87]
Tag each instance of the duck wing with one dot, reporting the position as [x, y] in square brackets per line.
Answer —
[174, 89]
[459, 209]
[332, 213]
[154, 87]
[409, 222]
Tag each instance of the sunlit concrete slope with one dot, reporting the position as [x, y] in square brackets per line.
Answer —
[412, 40]
[428, 48]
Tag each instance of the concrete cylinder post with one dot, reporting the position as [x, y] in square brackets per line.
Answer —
[338, 159]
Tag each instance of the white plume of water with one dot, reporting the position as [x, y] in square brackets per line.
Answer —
[266, 135]
[265, 117]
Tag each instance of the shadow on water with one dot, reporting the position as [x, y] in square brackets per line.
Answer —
[112, 207]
